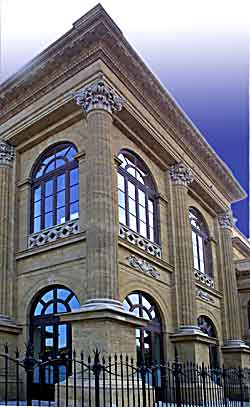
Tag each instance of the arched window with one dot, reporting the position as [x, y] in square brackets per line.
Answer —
[49, 337]
[207, 326]
[55, 188]
[201, 244]
[148, 339]
[136, 196]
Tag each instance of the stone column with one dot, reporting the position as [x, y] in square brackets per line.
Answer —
[234, 345]
[102, 320]
[192, 343]
[181, 177]
[8, 327]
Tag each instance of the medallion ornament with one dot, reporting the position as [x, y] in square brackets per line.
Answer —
[143, 266]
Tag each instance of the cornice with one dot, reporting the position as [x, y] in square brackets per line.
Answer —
[96, 36]
[242, 246]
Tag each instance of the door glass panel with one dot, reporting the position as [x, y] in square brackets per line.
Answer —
[62, 336]
[49, 339]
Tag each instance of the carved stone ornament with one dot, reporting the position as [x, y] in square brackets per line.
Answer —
[180, 174]
[204, 296]
[99, 95]
[226, 219]
[143, 266]
[7, 152]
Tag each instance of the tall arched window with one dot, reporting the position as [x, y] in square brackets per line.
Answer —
[136, 196]
[55, 188]
[51, 338]
[201, 244]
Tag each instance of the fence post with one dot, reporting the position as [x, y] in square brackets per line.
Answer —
[224, 385]
[29, 363]
[96, 368]
[203, 376]
[143, 370]
[177, 373]
[241, 376]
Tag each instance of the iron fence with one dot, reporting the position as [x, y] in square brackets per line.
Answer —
[117, 381]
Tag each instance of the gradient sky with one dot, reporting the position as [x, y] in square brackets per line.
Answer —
[198, 49]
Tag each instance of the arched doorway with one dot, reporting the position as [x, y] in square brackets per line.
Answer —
[207, 326]
[50, 338]
[148, 339]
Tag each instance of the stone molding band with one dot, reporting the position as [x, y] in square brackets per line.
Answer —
[180, 174]
[7, 153]
[99, 96]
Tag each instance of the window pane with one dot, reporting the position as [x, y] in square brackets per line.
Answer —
[151, 219]
[120, 179]
[37, 208]
[131, 204]
[143, 229]
[48, 220]
[131, 171]
[142, 213]
[60, 216]
[74, 303]
[73, 176]
[61, 373]
[60, 199]
[131, 190]
[150, 206]
[121, 198]
[49, 188]
[48, 204]
[60, 182]
[61, 307]
[60, 163]
[139, 177]
[74, 193]
[132, 222]
[38, 309]
[50, 167]
[74, 214]
[37, 224]
[49, 375]
[62, 336]
[37, 194]
[63, 152]
[122, 215]
[62, 293]
[49, 309]
[48, 296]
[151, 234]
[141, 197]
[71, 154]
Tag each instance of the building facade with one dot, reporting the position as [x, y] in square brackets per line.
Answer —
[115, 224]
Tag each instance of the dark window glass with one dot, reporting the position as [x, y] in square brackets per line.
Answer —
[202, 255]
[55, 188]
[136, 197]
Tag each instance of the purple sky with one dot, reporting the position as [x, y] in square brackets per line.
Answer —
[199, 51]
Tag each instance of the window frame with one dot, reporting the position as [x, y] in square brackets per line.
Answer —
[150, 195]
[203, 233]
[52, 176]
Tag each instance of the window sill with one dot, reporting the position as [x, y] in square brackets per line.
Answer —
[141, 242]
[54, 233]
[204, 278]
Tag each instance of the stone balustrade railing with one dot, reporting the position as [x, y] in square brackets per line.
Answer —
[144, 244]
[54, 233]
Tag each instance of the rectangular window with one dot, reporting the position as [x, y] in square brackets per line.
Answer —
[131, 206]
[121, 182]
[131, 190]
[195, 251]
[121, 198]
[132, 222]
[74, 211]
[74, 193]
[143, 229]
[60, 182]
[37, 224]
[60, 216]
[49, 188]
[48, 220]
[60, 199]
[74, 177]
[122, 215]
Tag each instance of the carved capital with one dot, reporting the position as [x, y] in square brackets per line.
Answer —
[181, 174]
[7, 153]
[99, 96]
[226, 220]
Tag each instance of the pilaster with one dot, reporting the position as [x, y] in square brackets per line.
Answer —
[235, 351]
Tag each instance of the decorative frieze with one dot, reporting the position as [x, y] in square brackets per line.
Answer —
[143, 266]
[181, 174]
[205, 296]
[7, 153]
[144, 244]
[204, 278]
[53, 234]
[99, 95]
[226, 219]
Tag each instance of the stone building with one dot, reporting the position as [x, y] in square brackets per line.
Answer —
[115, 223]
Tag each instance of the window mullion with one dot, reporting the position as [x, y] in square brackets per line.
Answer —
[147, 215]
[42, 205]
[67, 195]
[198, 250]
[126, 200]
[54, 199]
[137, 208]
